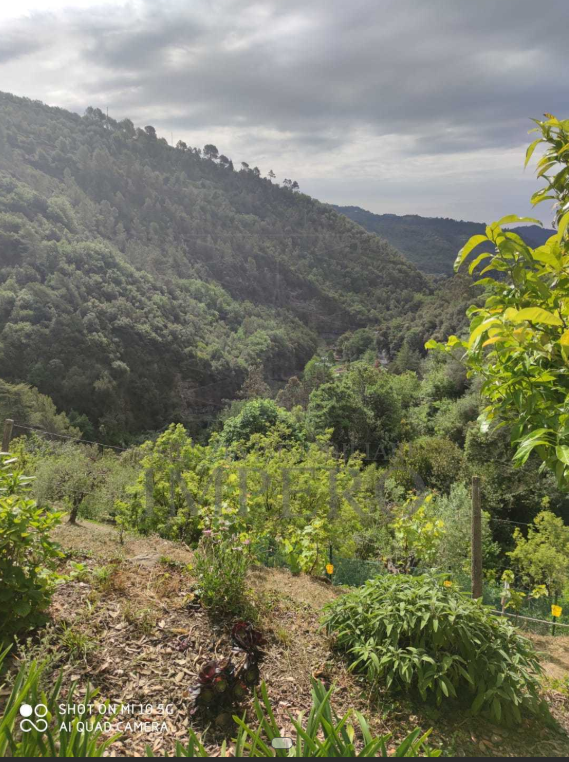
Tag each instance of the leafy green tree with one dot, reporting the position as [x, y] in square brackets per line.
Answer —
[407, 358]
[26, 405]
[510, 492]
[519, 339]
[354, 345]
[542, 557]
[426, 462]
[259, 416]
[360, 408]
[453, 418]
[210, 151]
[67, 477]
[254, 385]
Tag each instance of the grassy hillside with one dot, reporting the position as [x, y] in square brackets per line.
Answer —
[139, 282]
[430, 243]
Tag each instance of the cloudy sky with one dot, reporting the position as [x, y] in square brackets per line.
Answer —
[402, 106]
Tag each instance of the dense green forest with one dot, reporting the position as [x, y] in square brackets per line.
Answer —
[430, 243]
[139, 282]
[143, 284]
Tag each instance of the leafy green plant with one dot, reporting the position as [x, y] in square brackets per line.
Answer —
[67, 476]
[431, 462]
[543, 556]
[27, 554]
[64, 736]
[259, 416]
[417, 535]
[305, 549]
[220, 566]
[519, 340]
[415, 633]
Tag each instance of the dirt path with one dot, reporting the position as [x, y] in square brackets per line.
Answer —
[555, 655]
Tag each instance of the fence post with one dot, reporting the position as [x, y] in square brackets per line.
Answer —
[7, 435]
[476, 539]
[554, 619]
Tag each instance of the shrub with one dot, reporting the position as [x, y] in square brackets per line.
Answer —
[259, 417]
[117, 473]
[417, 634]
[67, 476]
[221, 565]
[172, 472]
[428, 461]
[454, 552]
[27, 555]
[543, 557]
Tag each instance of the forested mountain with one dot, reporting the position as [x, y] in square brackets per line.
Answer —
[139, 282]
[430, 243]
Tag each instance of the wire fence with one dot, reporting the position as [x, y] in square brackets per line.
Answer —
[533, 614]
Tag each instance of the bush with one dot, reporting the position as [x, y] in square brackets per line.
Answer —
[67, 476]
[259, 417]
[455, 511]
[221, 565]
[117, 474]
[27, 555]
[543, 557]
[416, 634]
[433, 462]
[171, 472]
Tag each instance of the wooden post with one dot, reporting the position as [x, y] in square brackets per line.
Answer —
[7, 435]
[476, 539]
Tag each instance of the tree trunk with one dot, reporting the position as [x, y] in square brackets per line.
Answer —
[75, 509]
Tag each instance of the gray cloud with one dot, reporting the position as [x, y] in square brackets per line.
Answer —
[320, 86]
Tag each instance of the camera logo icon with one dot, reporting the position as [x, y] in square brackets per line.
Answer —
[39, 712]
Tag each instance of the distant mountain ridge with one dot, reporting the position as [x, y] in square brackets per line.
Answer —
[430, 243]
[140, 282]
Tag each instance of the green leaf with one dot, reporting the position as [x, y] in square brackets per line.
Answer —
[467, 248]
[531, 149]
[482, 328]
[473, 265]
[562, 227]
[509, 218]
[562, 452]
[536, 315]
